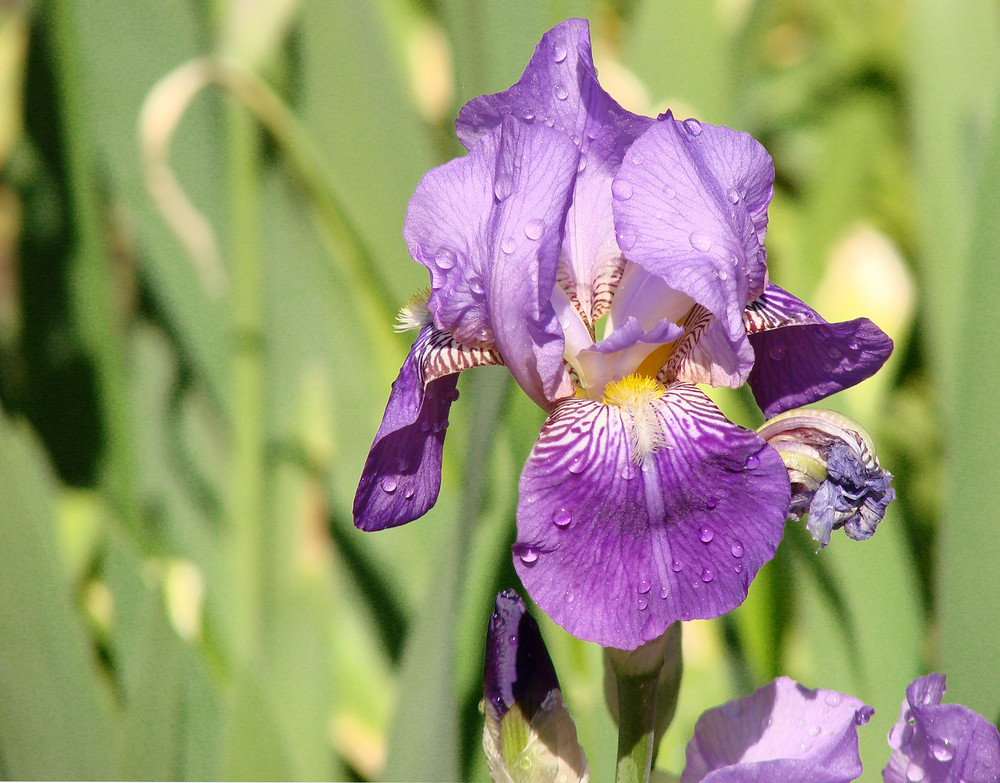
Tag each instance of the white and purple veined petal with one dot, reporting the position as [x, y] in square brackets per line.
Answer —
[801, 358]
[696, 218]
[402, 474]
[782, 732]
[488, 227]
[631, 517]
[940, 743]
[559, 89]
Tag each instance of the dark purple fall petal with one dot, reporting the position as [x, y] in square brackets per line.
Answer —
[941, 743]
[488, 227]
[559, 89]
[402, 474]
[615, 551]
[691, 207]
[783, 732]
[800, 358]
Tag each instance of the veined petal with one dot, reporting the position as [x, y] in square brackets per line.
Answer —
[801, 358]
[783, 732]
[631, 519]
[402, 474]
[695, 216]
[488, 227]
[559, 88]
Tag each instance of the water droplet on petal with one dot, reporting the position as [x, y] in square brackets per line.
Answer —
[570, 596]
[942, 751]
[389, 484]
[577, 464]
[643, 602]
[637, 158]
[833, 699]
[676, 565]
[528, 115]
[534, 229]
[664, 592]
[700, 242]
[707, 575]
[834, 352]
[507, 245]
[626, 240]
[738, 568]
[711, 502]
[526, 552]
[692, 126]
[513, 639]
[814, 731]
[621, 189]
[558, 53]
[628, 471]
[562, 518]
[502, 187]
[669, 192]
[752, 462]
[732, 195]
[476, 286]
[706, 534]
[561, 92]
[444, 258]
[777, 352]
[737, 549]
[644, 585]
[915, 772]
[408, 493]
[582, 164]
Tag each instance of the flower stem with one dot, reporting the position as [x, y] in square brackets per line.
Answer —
[636, 727]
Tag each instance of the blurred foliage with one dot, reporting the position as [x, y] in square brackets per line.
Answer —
[200, 253]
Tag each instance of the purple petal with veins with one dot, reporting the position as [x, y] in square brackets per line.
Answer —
[614, 550]
[783, 732]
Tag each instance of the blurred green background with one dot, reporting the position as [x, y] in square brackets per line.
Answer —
[199, 264]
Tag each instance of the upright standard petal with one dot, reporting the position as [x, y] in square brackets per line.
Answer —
[695, 216]
[941, 743]
[559, 89]
[801, 358]
[402, 474]
[782, 732]
[488, 227]
[651, 509]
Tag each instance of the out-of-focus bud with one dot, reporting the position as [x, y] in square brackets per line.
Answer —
[529, 736]
[834, 472]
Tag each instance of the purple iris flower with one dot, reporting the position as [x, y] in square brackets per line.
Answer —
[782, 732]
[941, 743]
[611, 262]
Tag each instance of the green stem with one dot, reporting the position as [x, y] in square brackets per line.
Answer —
[636, 727]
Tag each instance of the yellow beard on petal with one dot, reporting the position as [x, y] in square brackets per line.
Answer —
[635, 395]
[415, 314]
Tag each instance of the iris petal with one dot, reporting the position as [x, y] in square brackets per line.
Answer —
[696, 218]
[801, 358]
[488, 227]
[614, 550]
[402, 475]
[559, 88]
[784, 732]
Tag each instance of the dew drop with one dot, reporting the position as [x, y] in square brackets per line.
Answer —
[576, 465]
[711, 502]
[777, 352]
[707, 575]
[752, 462]
[549, 121]
[526, 552]
[621, 189]
[558, 53]
[833, 699]
[528, 115]
[637, 158]
[626, 240]
[570, 596]
[561, 92]
[737, 549]
[507, 245]
[706, 534]
[643, 602]
[389, 484]
[408, 493]
[834, 352]
[644, 585]
[676, 565]
[476, 286]
[664, 592]
[733, 196]
[650, 629]
[502, 187]
[534, 229]
[942, 751]
[692, 126]
[444, 258]
[582, 164]
[738, 568]
[628, 471]
[814, 731]
[402, 465]
[915, 772]
[696, 585]
[669, 192]
[700, 242]
[562, 518]
[524, 762]
[575, 139]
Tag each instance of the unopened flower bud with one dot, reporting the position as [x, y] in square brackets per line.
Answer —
[529, 736]
[834, 472]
